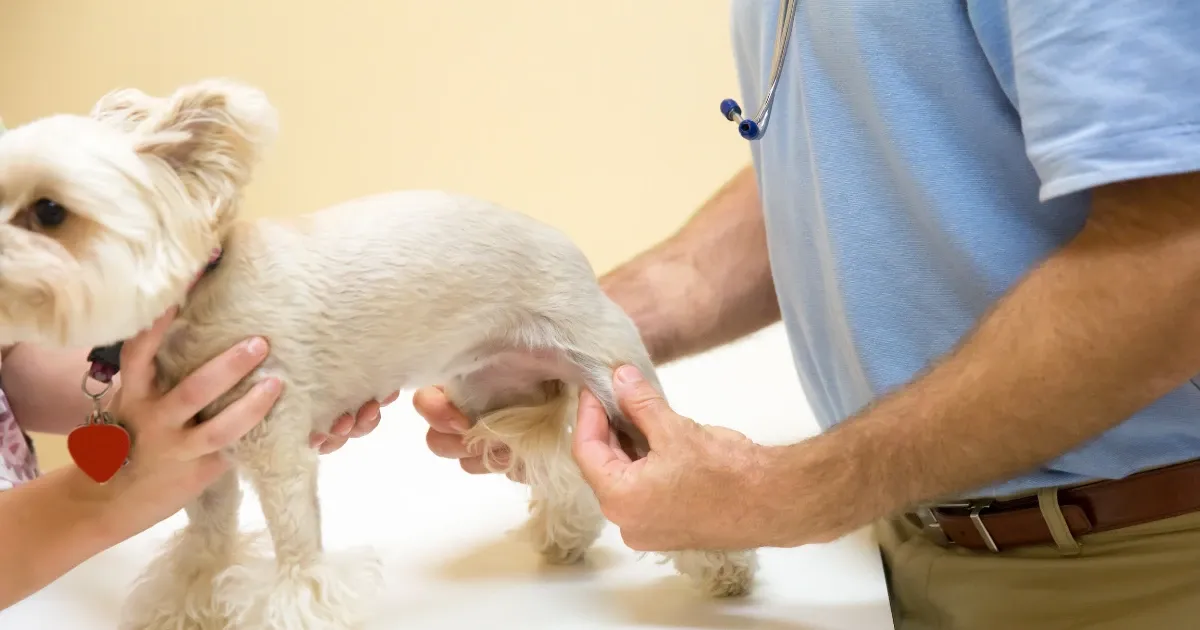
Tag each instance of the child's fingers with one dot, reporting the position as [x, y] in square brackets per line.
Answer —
[446, 445]
[213, 379]
[227, 427]
[331, 444]
[367, 420]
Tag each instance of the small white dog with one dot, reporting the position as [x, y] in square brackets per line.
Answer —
[106, 220]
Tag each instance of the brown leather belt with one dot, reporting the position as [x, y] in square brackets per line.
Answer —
[1088, 509]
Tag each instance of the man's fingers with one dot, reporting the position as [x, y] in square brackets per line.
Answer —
[447, 445]
[614, 440]
[215, 378]
[438, 411]
[593, 429]
[636, 542]
[591, 445]
[390, 399]
[643, 405]
[498, 459]
[647, 542]
[474, 465]
[234, 421]
[517, 473]
[592, 420]
[137, 355]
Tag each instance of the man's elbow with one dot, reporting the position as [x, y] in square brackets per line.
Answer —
[1152, 223]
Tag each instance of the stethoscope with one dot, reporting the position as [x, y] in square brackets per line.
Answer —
[754, 128]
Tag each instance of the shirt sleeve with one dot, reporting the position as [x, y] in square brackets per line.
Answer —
[1107, 90]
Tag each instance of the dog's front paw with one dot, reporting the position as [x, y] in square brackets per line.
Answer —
[334, 592]
[718, 573]
[178, 590]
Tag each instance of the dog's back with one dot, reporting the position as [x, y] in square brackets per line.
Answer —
[393, 290]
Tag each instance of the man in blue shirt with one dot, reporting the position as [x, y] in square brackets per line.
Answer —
[979, 222]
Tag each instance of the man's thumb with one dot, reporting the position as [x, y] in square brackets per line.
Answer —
[598, 459]
[643, 405]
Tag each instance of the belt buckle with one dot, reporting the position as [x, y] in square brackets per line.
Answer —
[974, 510]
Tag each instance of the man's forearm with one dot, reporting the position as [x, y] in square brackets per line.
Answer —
[43, 387]
[49, 525]
[1102, 329]
[707, 285]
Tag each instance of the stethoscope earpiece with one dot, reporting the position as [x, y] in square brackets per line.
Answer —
[749, 130]
[754, 128]
[732, 111]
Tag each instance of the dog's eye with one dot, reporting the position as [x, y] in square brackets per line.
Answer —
[49, 213]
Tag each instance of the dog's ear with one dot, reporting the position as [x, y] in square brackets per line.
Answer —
[212, 133]
[126, 109]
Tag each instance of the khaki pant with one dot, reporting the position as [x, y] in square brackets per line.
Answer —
[1145, 577]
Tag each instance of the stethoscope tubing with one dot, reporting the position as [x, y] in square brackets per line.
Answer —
[754, 128]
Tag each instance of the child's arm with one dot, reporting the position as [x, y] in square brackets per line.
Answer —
[47, 527]
[43, 387]
[51, 524]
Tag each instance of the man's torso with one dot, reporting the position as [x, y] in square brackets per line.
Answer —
[901, 203]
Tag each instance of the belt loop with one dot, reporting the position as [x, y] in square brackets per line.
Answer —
[931, 526]
[1052, 513]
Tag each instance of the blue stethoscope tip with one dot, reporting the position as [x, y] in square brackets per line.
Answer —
[749, 130]
[729, 109]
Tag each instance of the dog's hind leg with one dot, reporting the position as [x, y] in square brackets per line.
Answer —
[307, 588]
[533, 425]
[596, 348]
[179, 589]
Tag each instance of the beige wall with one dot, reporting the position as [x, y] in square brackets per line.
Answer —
[598, 117]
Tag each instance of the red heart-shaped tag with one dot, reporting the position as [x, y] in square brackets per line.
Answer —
[99, 450]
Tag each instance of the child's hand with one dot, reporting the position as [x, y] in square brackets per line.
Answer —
[172, 463]
[348, 426]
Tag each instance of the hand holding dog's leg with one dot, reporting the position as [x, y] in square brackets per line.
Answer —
[530, 435]
[447, 431]
[690, 490]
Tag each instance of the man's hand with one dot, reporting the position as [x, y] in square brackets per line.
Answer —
[700, 487]
[447, 425]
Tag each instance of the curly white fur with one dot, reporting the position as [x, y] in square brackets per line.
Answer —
[391, 291]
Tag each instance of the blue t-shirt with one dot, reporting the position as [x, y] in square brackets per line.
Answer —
[923, 155]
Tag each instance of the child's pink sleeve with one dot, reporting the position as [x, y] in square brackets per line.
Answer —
[18, 462]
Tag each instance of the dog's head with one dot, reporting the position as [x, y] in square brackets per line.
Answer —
[106, 219]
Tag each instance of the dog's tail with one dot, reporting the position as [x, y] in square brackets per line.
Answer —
[535, 436]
